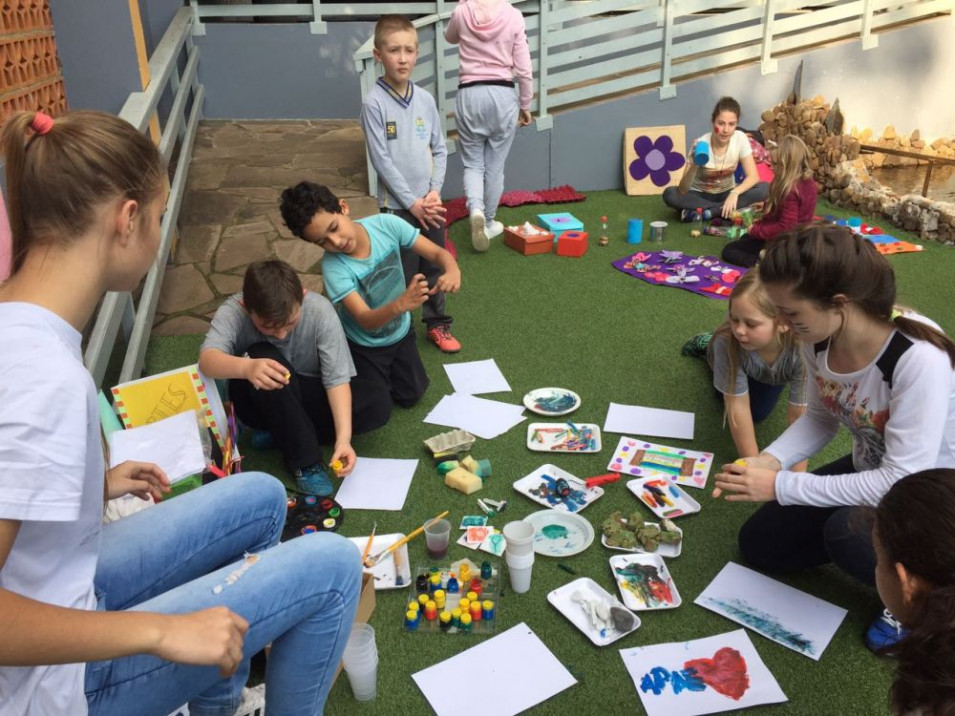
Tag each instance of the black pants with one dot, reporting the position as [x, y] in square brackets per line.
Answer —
[396, 370]
[694, 200]
[743, 252]
[298, 415]
[792, 538]
[433, 310]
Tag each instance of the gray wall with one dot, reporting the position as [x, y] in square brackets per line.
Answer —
[95, 44]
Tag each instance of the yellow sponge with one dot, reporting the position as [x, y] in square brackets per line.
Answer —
[469, 464]
[461, 479]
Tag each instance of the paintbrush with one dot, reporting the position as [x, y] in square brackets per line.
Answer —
[371, 538]
[374, 559]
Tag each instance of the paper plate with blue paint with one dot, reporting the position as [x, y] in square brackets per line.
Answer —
[552, 401]
[560, 534]
[541, 486]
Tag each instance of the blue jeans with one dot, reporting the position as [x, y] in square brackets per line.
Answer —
[299, 596]
[762, 398]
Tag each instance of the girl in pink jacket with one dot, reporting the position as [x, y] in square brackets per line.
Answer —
[493, 53]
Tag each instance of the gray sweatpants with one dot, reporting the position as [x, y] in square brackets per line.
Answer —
[486, 116]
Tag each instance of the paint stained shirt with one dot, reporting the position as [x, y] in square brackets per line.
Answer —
[378, 279]
[787, 369]
[895, 430]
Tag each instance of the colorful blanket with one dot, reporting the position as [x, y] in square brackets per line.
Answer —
[703, 275]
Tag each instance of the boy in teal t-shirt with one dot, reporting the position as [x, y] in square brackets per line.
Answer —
[364, 280]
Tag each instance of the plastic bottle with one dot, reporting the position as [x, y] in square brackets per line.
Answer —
[697, 224]
[604, 237]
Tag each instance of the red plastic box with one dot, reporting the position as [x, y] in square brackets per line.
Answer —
[572, 243]
[527, 243]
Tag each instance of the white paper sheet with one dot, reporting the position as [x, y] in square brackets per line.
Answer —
[173, 444]
[514, 670]
[788, 616]
[377, 484]
[669, 686]
[637, 420]
[479, 416]
[479, 376]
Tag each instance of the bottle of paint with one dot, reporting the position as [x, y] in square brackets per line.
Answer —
[464, 575]
[430, 611]
[445, 620]
[421, 583]
[464, 605]
[476, 611]
[475, 587]
[487, 610]
[434, 583]
[456, 617]
[486, 571]
[452, 587]
[466, 623]
[439, 598]
[411, 620]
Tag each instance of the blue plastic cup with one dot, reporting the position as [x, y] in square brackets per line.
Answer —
[634, 231]
[701, 153]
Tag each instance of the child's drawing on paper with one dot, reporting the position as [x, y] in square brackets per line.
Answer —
[718, 673]
[643, 459]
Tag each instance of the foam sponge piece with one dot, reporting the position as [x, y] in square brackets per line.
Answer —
[463, 481]
[469, 464]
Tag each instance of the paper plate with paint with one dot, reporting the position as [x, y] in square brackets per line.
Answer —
[546, 484]
[391, 573]
[644, 582]
[560, 534]
[594, 610]
[664, 550]
[665, 498]
[552, 401]
[572, 438]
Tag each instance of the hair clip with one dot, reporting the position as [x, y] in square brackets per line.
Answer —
[41, 123]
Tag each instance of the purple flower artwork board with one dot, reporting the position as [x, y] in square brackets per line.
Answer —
[703, 275]
[643, 459]
[653, 158]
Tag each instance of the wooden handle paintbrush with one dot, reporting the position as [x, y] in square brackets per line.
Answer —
[375, 558]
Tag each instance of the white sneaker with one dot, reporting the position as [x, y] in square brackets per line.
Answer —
[493, 228]
[479, 239]
[253, 701]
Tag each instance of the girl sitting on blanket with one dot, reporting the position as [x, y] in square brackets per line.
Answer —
[753, 356]
[791, 203]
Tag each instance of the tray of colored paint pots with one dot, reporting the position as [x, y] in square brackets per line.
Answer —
[455, 601]
[394, 572]
[310, 513]
[571, 438]
[664, 497]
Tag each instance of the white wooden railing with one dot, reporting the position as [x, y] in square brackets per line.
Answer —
[119, 310]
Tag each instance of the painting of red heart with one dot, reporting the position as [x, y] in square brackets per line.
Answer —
[703, 676]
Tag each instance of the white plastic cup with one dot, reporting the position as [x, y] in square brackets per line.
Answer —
[361, 645]
[363, 679]
[519, 536]
[437, 536]
[520, 567]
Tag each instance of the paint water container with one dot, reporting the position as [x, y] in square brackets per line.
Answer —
[634, 231]
[658, 231]
[701, 153]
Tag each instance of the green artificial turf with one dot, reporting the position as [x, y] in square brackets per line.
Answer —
[580, 324]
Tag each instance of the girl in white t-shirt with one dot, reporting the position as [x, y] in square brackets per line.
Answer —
[886, 375]
[711, 186]
[168, 605]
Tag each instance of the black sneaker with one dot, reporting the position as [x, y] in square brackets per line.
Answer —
[696, 346]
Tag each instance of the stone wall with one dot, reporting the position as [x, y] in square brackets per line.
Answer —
[842, 172]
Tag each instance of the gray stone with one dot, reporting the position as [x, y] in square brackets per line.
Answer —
[181, 326]
[362, 206]
[300, 255]
[183, 288]
[275, 216]
[256, 194]
[209, 207]
[197, 243]
[240, 250]
[312, 282]
[260, 226]
[205, 175]
[226, 283]
[242, 175]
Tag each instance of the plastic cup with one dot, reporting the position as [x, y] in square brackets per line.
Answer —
[519, 536]
[701, 153]
[437, 534]
[855, 223]
[361, 645]
[520, 566]
[634, 231]
[658, 230]
[363, 679]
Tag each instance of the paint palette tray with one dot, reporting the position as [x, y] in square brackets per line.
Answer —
[663, 497]
[391, 573]
[565, 600]
[552, 401]
[541, 485]
[571, 438]
[490, 592]
[310, 513]
[644, 582]
[664, 550]
[560, 534]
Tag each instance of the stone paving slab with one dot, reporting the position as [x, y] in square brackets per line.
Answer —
[230, 217]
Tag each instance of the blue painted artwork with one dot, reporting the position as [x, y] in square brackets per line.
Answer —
[547, 490]
[763, 622]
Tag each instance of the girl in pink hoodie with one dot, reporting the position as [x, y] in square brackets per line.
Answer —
[493, 53]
